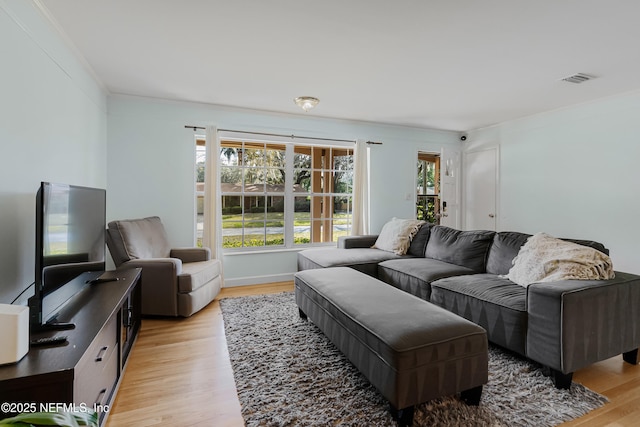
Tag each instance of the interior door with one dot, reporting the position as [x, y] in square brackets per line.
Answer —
[450, 188]
[480, 184]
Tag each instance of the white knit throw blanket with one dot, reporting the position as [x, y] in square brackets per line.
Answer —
[544, 258]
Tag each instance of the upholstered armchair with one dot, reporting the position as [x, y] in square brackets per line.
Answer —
[175, 282]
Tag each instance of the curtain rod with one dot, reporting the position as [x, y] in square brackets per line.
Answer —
[281, 135]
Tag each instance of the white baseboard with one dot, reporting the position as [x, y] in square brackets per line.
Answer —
[257, 280]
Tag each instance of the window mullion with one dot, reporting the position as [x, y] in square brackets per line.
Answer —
[289, 201]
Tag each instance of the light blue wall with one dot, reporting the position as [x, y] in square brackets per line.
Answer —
[151, 167]
[573, 173]
[52, 128]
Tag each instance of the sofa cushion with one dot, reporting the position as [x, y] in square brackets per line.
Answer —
[362, 259]
[465, 248]
[505, 247]
[418, 244]
[495, 303]
[414, 275]
[396, 235]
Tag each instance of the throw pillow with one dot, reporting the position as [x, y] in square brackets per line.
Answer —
[396, 235]
[544, 258]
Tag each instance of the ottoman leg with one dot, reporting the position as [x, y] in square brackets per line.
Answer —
[403, 416]
[302, 314]
[472, 396]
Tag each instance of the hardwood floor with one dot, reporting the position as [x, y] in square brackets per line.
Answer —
[179, 371]
[179, 374]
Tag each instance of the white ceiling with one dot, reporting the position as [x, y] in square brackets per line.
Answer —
[443, 64]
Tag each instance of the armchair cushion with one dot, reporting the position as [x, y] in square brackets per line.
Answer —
[140, 238]
[196, 274]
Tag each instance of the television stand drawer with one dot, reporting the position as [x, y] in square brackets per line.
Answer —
[97, 371]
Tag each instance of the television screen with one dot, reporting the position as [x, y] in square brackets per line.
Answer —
[70, 242]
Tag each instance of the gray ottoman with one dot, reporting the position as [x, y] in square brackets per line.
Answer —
[411, 350]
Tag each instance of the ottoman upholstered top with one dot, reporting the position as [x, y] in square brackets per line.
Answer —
[410, 349]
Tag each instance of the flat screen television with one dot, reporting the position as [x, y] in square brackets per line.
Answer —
[70, 248]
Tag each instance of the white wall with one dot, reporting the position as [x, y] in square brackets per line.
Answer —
[52, 128]
[573, 173]
[151, 167]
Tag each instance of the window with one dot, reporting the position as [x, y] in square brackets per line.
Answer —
[201, 156]
[283, 195]
[428, 188]
[253, 185]
[323, 188]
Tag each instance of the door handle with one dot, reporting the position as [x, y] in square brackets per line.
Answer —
[491, 215]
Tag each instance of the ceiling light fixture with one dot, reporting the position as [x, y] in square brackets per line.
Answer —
[306, 102]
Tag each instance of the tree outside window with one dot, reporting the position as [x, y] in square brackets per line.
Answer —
[277, 195]
[428, 188]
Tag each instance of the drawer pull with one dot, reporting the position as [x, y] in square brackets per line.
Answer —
[100, 396]
[127, 316]
[101, 353]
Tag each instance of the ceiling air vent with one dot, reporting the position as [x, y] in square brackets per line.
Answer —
[578, 78]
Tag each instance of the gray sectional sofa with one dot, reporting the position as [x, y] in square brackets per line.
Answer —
[564, 325]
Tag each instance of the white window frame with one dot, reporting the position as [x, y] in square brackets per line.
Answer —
[289, 195]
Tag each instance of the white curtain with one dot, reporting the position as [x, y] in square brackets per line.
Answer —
[212, 231]
[361, 189]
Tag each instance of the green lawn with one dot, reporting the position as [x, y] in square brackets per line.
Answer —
[276, 220]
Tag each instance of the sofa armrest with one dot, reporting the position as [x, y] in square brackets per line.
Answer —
[159, 278]
[187, 255]
[574, 323]
[350, 242]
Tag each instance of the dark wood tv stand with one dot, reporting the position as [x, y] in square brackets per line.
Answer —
[84, 372]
